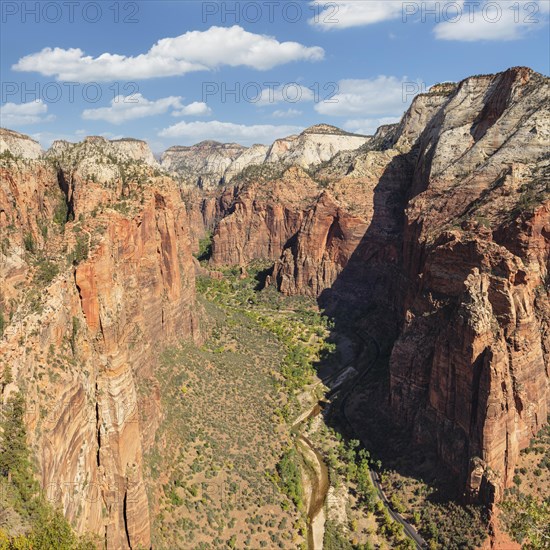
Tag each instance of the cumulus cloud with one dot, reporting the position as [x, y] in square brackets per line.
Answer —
[17, 114]
[496, 21]
[124, 108]
[353, 13]
[197, 108]
[134, 106]
[380, 96]
[289, 113]
[192, 51]
[368, 126]
[193, 132]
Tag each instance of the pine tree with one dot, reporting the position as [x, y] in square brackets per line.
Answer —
[14, 454]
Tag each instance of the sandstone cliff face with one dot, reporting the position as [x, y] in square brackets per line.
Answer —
[83, 344]
[19, 145]
[261, 214]
[313, 146]
[203, 164]
[29, 198]
[252, 156]
[261, 217]
[474, 345]
[135, 149]
[472, 253]
[442, 222]
[209, 164]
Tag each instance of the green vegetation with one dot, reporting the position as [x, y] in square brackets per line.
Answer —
[529, 198]
[61, 212]
[290, 478]
[298, 326]
[453, 526]
[259, 172]
[80, 251]
[527, 520]
[228, 409]
[205, 247]
[74, 334]
[7, 155]
[526, 507]
[44, 527]
[2, 322]
[46, 272]
[336, 539]
[29, 243]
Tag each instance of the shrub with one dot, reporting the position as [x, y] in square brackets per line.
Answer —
[46, 273]
[61, 212]
[290, 477]
[81, 251]
[205, 247]
[30, 245]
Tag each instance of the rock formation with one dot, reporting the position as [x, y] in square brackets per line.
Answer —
[440, 224]
[88, 305]
[19, 144]
[203, 164]
[210, 163]
[443, 221]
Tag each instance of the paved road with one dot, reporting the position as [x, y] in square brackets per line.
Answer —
[409, 530]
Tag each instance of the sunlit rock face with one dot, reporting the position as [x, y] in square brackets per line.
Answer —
[443, 221]
[83, 345]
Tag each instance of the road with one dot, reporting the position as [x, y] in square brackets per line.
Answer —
[409, 530]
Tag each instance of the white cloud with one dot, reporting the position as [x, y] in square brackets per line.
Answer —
[289, 113]
[354, 13]
[368, 126]
[197, 108]
[18, 114]
[193, 132]
[134, 106]
[192, 51]
[496, 21]
[287, 93]
[380, 96]
[453, 20]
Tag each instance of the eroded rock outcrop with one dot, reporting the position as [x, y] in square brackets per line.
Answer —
[442, 223]
[313, 146]
[210, 164]
[19, 145]
[203, 164]
[262, 217]
[474, 346]
[91, 305]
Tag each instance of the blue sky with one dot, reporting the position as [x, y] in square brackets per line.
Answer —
[164, 71]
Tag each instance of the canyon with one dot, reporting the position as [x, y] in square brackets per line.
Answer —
[438, 226]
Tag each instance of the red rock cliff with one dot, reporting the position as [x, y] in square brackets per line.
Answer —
[83, 344]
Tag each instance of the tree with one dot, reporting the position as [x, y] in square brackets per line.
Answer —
[14, 454]
[527, 521]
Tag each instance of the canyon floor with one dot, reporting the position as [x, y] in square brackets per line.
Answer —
[236, 451]
[343, 343]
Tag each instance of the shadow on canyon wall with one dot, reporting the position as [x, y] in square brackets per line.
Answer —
[366, 303]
